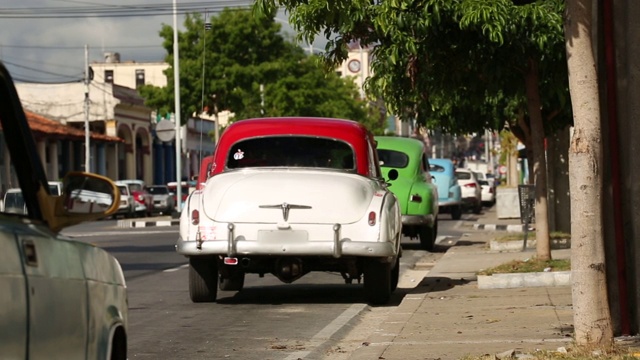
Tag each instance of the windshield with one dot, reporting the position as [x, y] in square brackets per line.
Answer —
[54, 190]
[14, 203]
[158, 190]
[291, 151]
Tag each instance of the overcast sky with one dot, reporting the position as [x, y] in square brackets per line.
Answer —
[44, 40]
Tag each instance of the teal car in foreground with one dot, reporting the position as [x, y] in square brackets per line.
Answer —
[417, 195]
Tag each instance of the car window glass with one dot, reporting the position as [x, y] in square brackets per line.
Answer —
[158, 190]
[391, 158]
[12, 201]
[135, 187]
[54, 190]
[435, 168]
[291, 151]
[461, 175]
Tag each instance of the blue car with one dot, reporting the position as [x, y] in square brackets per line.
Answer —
[449, 194]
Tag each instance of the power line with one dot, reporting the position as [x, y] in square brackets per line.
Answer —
[32, 69]
[99, 11]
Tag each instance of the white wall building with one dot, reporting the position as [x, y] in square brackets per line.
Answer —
[130, 74]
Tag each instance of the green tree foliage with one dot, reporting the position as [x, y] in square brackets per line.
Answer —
[457, 65]
[241, 53]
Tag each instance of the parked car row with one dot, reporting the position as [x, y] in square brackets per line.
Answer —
[138, 199]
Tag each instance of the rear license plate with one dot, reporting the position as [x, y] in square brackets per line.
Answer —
[283, 236]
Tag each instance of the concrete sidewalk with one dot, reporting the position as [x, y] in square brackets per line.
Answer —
[448, 317]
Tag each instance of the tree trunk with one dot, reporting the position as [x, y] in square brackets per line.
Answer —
[543, 249]
[592, 318]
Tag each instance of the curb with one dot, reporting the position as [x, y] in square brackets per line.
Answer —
[519, 280]
[129, 223]
[498, 227]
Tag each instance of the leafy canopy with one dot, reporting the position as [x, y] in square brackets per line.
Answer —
[241, 53]
[454, 64]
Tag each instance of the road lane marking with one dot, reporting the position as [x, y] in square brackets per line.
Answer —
[325, 334]
[183, 266]
[112, 233]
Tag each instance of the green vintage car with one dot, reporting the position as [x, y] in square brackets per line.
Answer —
[416, 193]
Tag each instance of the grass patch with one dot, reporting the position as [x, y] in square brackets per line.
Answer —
[529, 265]
[554, 235]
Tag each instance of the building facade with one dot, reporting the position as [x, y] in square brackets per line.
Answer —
[112, 110]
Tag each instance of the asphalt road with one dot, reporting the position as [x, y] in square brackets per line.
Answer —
[267, 320]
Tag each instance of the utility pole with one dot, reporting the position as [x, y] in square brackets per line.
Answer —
[87, 147]
[176, 85]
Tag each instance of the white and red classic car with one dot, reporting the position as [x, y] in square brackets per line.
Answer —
[287, 196]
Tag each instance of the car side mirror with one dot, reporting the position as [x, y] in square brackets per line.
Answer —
[393, 174]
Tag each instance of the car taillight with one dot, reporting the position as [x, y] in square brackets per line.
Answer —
[140, 197]
[195, 217]
[416, 198]
[490, 190]
[471, 185]
[372, 218]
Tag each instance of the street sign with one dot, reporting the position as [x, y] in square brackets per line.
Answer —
[502, 169]
[165, 130]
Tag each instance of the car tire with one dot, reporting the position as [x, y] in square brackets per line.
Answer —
[395, 275]
[203, 279]
[234, 281]
[427, 235]
[456, 212]
[377, 282]
[477, 209]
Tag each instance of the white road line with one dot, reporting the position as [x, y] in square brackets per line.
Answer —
[183, 266]
[328, 331]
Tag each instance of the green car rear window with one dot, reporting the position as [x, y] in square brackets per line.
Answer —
[391, 158]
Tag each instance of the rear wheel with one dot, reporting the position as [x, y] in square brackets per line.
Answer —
[233, 280]
[477, 209]
[203, 279]
[427, 235]
[377, 282]
[456, 212]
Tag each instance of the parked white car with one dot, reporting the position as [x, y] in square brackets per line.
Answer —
[488, 188]
[127, 207]
[288, 196]
[471, 191]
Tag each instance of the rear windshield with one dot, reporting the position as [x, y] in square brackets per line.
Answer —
[13, 200]
[54, 190]
[135, 187]
[391, 158]
[291, 151]
[461, 175]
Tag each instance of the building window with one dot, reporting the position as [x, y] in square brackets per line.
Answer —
[139, 77]
[108, 76]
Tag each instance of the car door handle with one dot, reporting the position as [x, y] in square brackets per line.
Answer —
[30, 253]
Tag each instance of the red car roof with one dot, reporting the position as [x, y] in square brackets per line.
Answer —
[349, 131]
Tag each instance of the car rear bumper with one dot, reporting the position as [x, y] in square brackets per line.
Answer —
[243, 247]
[418, 220]
[449, 202]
